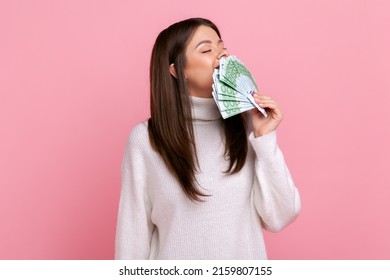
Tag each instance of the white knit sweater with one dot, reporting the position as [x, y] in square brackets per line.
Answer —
[156, 220]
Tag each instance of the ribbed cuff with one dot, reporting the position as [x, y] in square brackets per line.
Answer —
[264, 146]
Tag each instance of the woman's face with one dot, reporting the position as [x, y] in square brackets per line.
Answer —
[203, 52]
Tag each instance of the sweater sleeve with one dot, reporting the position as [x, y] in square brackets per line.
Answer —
[274, 194]
[134, 228]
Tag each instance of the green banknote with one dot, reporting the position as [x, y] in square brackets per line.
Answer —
[233, 88]
[234, 73]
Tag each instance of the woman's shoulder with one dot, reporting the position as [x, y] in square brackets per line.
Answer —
[139, 135]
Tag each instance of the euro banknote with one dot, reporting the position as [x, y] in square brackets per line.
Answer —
[233, 88]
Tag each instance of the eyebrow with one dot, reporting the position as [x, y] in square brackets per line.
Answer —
[207, 42]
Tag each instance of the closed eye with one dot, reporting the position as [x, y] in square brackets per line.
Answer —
[206, 51]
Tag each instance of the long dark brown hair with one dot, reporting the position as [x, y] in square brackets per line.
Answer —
[170, 127]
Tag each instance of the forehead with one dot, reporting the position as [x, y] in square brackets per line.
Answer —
[203, 33]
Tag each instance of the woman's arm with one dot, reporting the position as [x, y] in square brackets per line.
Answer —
[274, 194]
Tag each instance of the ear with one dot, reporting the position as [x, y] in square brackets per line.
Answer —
[172, 70]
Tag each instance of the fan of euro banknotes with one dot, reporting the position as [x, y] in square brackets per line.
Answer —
[234, 87]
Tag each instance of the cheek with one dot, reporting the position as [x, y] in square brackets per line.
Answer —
[201, 77]
[199, 71]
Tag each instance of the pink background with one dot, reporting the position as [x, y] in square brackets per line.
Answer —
[74, 81]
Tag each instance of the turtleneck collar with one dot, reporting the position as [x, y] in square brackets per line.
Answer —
[204, 109]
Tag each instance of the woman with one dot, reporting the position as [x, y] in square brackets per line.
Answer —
[195, 186]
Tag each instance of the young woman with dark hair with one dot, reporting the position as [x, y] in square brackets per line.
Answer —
[195, 186]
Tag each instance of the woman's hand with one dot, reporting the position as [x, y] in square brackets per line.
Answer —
[263, 125]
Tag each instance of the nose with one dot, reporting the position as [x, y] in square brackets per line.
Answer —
[223, 53]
